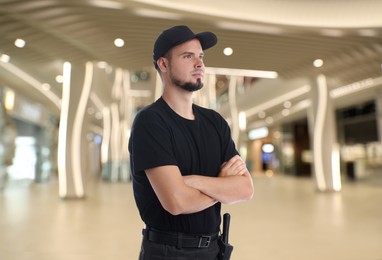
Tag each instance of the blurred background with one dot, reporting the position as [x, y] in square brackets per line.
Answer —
[299, 82]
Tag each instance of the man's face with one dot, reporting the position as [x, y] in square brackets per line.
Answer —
[186, 67]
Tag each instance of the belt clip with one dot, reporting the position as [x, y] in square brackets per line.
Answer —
[204, 241]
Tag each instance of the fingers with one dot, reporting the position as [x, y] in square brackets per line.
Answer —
[235, 166]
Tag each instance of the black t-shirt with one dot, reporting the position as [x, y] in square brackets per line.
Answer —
[159, 137]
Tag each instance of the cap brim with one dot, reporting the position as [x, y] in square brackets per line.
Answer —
[207, 39]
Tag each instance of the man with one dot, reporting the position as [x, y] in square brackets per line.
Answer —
[184, 162]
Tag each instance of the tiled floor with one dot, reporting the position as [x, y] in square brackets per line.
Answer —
[287, 220]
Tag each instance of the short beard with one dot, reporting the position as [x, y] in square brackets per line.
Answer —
[189, 86]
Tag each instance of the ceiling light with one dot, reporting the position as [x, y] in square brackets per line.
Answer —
[20, 43]
[268, 148]
[45, 86]
[285, 112]
[59, 79]
[134, 78]
[258, 133]
[261, 114]
[228, 51]
[287, 104]
[354, 87]
[318, 63]
[5, 58]
[241, 72]
[269, 120]
[119, 42]
[107, 4]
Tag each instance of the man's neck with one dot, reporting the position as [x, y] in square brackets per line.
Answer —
[180, 102]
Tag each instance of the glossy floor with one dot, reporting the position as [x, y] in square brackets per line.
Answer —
[287, 219]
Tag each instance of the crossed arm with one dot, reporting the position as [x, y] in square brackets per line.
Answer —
[189, 194]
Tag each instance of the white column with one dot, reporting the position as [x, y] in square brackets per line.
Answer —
[324, 138]
[72, 154]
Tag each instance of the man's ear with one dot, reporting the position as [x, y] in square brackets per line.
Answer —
[162, 64]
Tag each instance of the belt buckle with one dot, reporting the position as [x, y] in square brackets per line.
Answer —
[204, 241]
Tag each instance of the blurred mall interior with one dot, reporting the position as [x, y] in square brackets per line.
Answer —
[299, 82]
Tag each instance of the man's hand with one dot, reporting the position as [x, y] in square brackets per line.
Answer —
[234, 167]
[233, 183]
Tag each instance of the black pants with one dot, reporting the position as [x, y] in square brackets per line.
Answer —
[156, 251]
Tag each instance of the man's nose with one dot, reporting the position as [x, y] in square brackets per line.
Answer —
[199, 63]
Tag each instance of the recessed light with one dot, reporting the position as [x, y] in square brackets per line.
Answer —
[5, 58]
[20, 43]
[59, 78]
[287, 104]
[45, 86]
[318, 63]
[228, 51]
[119, 42]
[269, 120]
[285, 112]
[91, 110]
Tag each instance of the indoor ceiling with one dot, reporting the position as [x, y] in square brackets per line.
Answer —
[276, 35]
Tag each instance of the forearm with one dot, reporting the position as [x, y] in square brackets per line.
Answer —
[227, 190]
[193, 200]
[174, 195]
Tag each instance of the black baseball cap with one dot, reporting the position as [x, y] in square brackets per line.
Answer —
[177, 35]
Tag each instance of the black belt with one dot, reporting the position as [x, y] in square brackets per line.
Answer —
[179, 240]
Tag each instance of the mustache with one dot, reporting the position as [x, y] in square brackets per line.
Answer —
[198, 71]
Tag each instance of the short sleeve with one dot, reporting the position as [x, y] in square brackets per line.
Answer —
[229, 148]
[150, 142]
